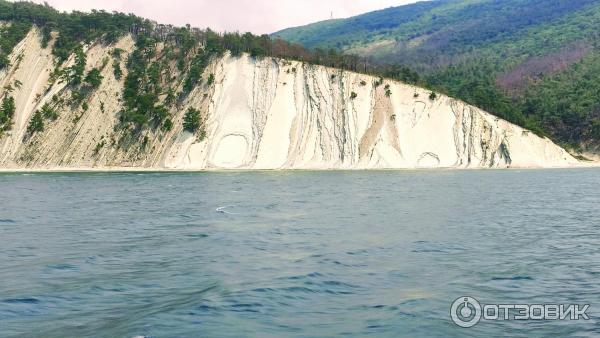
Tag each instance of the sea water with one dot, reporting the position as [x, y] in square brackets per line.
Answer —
[295, 254]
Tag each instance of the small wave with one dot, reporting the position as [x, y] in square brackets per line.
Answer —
[429, 251]
[222, 210]
[431, 247]
[375, 327]
[339, 284]
[61, 267]
[197, 236]
[307, 276]
[21, 301]
[263, 290]
[298, 289]
[515, 278]
[246, 307]
[7, 221]
[357, 252]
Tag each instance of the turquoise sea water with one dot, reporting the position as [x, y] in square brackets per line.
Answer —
[294, 254]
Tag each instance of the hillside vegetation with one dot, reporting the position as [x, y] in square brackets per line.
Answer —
[163, 53]
[533, 62]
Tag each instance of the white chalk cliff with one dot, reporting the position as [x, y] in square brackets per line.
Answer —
[265, 114]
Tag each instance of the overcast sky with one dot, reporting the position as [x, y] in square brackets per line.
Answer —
[257, 16]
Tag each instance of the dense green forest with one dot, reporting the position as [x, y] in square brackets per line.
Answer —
[533, 62]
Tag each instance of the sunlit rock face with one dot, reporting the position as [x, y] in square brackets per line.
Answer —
[264, 114]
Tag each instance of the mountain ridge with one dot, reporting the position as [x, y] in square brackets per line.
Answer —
[526, 61]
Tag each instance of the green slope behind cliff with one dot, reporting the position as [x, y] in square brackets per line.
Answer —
[533, 62]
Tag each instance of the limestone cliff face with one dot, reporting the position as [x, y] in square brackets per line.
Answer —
[264, 114]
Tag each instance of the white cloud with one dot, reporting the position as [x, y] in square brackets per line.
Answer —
[257, 16]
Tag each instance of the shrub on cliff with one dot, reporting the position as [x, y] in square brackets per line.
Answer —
[388, 90]
[94, 78]
[75, 73]
[191, 120]
[194, 75]
[36, 124]
[7, 110]
[49, 112]
[168, 125]
[117, 70]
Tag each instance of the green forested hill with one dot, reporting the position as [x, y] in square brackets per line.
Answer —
[533, 62]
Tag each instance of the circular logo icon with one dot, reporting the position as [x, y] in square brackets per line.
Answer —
[466, 312]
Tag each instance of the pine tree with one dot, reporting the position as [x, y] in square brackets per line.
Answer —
[8, 107]
[191, 120]
[7, 110]
[36, 124]
[94, 78]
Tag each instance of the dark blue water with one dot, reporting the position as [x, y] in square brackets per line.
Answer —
[302, 254]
